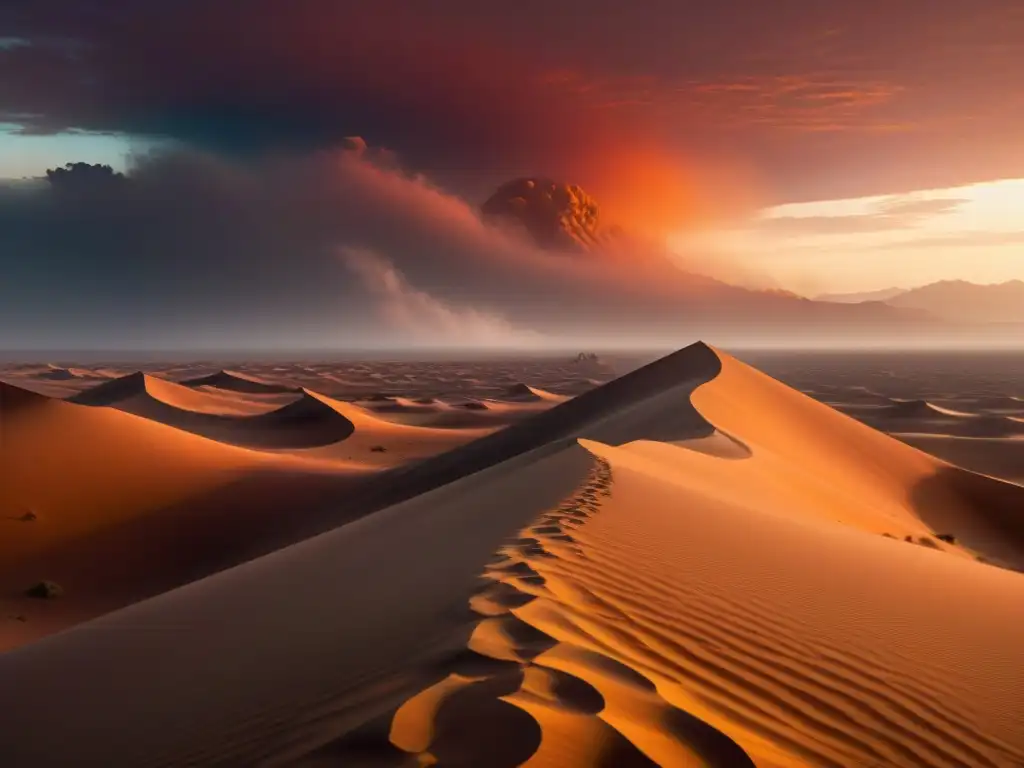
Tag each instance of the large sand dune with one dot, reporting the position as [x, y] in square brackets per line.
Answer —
[690, 565]
[304, 423]
[303, 420]
[234, 381]
[116, 507]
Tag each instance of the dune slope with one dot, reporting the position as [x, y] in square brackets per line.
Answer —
[232, 381]
[684, 567]
[115, 507]
[304, 423]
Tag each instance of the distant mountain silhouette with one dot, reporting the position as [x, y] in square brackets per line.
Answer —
[857, 298]
[957, 301]
[564, 217]
[962, 301]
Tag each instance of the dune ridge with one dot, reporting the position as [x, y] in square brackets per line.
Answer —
[691, 565]
[526, 393]
[206, 400]
[233, 381]
[923, 417]
[304, 423]
[123, 507]
[586, 707]
[921, 408]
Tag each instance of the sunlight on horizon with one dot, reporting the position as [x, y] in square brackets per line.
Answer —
[973, 232]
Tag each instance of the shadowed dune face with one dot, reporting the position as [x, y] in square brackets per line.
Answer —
[15, 399]
[306, 422]
[118, 507]
[116, 500]
[238, 382]
[890, 485]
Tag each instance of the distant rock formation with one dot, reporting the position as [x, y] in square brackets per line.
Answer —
[555, 215]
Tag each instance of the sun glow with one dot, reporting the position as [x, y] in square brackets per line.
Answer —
[974, 232]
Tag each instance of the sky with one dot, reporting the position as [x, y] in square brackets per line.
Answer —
[807, 145]
[973, 232]
[30, 156]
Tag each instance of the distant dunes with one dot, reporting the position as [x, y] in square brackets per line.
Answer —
[307, 422]
[917, 409]
[923, 417]
[238, 382]
[520, 392]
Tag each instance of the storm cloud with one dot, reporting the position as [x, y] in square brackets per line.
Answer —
[193, 247]
[805, 95]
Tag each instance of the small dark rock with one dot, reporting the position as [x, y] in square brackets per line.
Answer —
[45, 590]
[29, 517]
[377, 448]
[949, 538]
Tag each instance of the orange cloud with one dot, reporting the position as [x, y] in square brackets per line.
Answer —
[797, 102]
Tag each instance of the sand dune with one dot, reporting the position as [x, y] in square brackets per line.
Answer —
[102, 459]
[382, 442]
[307, 422]
[233, 381]
[923, 417]
[685, 566]
[310, 426]
[997, 404]
[525, 393]
[123, 507]
[59, 373]
[135, 389]
[916, 409]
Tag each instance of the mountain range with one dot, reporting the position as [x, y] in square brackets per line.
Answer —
[565, 218]
[952, 300]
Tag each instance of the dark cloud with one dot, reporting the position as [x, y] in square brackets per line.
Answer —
[823, 99]
[331, 248]
[336, 249]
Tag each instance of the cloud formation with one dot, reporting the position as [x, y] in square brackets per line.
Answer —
[887, 216]
[474, 93]
[415, 314]
[191, 243]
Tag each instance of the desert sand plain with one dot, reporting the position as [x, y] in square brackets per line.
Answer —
[541, 562]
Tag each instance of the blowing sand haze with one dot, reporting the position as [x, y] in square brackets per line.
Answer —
[692, 564]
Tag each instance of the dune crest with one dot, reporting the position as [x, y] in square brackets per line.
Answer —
[304, 423]
[233, 381]
[915, 409]
[526, 393]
